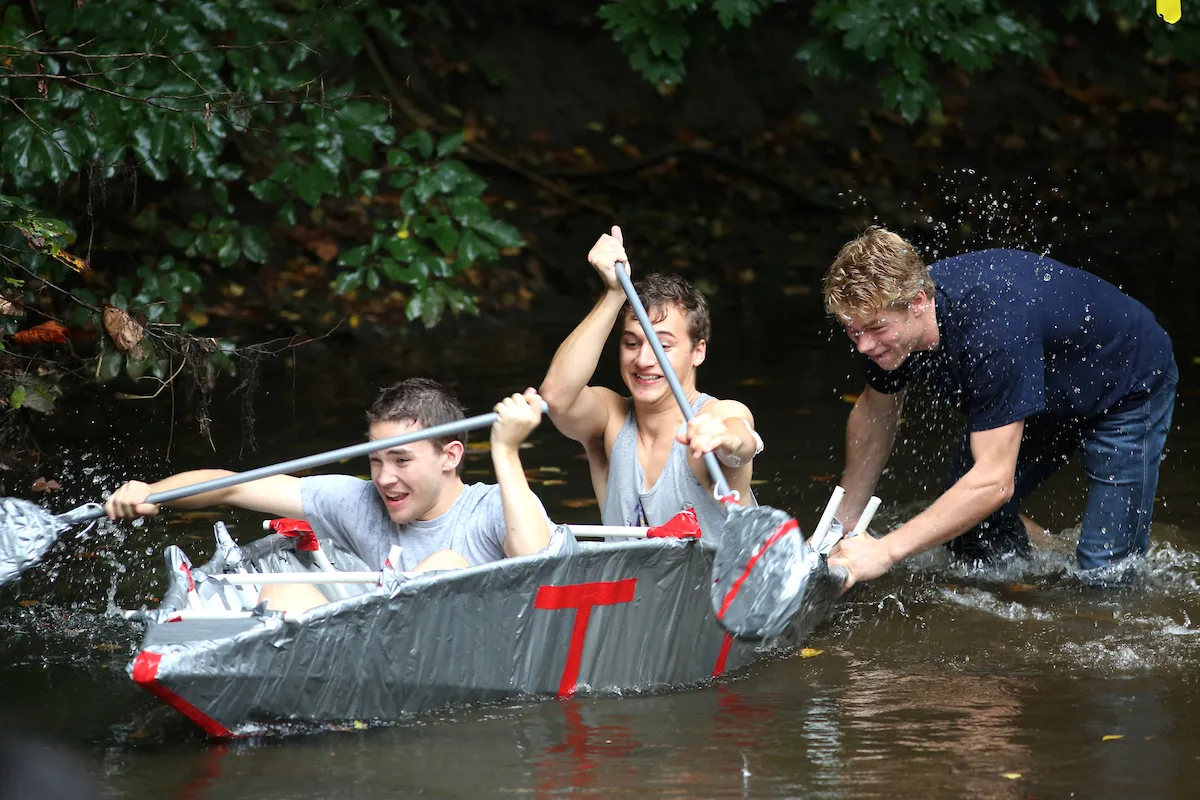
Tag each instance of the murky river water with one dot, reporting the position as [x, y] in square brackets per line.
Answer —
[930, 682]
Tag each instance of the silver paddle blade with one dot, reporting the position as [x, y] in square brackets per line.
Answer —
[26, 532]
[764, 574]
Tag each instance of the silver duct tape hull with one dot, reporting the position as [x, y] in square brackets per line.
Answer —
[606, 619]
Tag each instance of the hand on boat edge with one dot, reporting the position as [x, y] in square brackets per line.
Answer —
[863, 557]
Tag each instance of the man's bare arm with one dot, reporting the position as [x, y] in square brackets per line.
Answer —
[973, 498]
[278, 495]
[579, 411]
[870, 433]
[986, 487]
[726, 429]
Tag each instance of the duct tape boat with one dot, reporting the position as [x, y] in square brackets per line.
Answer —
[596, 617]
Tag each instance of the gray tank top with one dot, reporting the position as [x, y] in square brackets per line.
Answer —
[627, 502]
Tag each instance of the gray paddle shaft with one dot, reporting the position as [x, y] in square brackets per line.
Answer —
[710, 461]
[95, 511]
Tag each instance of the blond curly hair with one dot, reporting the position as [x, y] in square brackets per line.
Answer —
[876, 271]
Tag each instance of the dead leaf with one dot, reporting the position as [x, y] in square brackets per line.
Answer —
[809, 652]
[47, 333]
[553, 482]
[28, 603]
[125, 331]
[10, 307]
[1112, 737]
[822, 478]
[850, 398]
[43, 485]
[1012, 776]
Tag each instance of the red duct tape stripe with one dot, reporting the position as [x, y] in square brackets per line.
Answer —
[145, 674]
[722, 656]
[779, 533]
[581, 597]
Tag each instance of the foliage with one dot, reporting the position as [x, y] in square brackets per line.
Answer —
[903, 43]
[244, 113]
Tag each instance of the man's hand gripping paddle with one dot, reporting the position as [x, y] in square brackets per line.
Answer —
[27, 530]
[764, 573]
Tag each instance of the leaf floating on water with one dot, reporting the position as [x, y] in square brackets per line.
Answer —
[29, 603]
[580, 502]
[821, 478]
[109, 647]
[554, 470]
[1012, 776]
[1112, 736]
[850, 398]
[553, 482]
[359, 725]
[753, 382]
[43, 485]
[809, 652]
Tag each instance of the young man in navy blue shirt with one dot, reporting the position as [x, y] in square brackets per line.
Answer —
[1042, 358]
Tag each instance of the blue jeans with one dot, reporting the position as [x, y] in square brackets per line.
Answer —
[1122, 448]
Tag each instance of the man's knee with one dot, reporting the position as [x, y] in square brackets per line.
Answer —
[292, 598]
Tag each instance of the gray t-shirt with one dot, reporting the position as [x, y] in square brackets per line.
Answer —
[350, 512]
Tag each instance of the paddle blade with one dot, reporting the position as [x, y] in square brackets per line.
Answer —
[764, 574]
[26, 532]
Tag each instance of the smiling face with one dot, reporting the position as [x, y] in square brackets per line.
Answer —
[415, 481]
[888, 337]
[639, 366]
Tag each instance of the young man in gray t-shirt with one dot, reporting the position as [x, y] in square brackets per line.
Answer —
[415, 498]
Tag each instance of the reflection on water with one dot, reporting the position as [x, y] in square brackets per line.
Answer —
[933, 682]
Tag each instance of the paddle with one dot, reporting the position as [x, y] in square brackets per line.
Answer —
[763, 571]
[27, 530]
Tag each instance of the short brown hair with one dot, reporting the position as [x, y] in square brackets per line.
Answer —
[658, 291]
[877, 270]
[422, 401]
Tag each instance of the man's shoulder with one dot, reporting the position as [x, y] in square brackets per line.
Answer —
[335, 486]
[724, 408]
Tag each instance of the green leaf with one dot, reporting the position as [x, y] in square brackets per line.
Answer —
[450, 143]
[355, 256]
[229, 252]
[419, 140]
[348, 281]
[18, 397]
[255, 243]
[500, 233]
[110, 365]
[471, 248]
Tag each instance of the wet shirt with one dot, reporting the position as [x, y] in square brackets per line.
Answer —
[1022, 334]
[350, 512]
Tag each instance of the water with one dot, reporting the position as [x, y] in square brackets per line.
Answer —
[930, 682]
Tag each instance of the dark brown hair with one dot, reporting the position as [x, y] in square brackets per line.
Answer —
[659, 291]
[422, 401]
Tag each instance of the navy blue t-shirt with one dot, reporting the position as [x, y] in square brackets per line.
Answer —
[1021, 334]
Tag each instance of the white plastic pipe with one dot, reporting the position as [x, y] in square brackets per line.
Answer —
[865, 519]
[264, 578]
[609, 530]
[826, 521]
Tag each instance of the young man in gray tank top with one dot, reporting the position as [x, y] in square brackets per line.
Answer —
[646, 465]
[415, 498]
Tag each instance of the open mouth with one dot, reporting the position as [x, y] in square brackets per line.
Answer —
[392, 499]
[647, 379]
